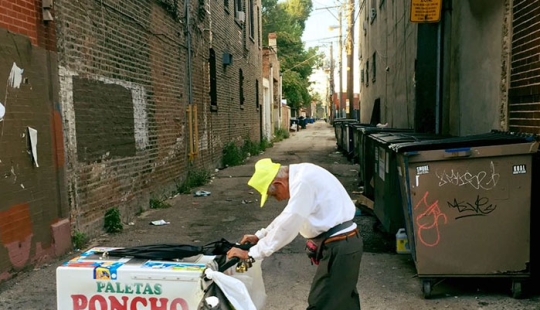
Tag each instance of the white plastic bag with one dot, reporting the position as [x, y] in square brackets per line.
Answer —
[234, 289]
[254, 283]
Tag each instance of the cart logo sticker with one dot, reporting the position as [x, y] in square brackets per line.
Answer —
[174, 266]
[486, 180]
[427, 218]
[107, 271]
[422, 169]
[519, 169]
[131, 296]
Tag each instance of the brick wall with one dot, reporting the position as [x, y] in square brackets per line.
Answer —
[25, 17]
[524, 92]
[128, 102]
[33, 210]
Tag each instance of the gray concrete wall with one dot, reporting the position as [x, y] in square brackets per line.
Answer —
[475, 66]
[391, 37]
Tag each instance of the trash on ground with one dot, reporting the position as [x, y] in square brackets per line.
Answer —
[202, 193]
[159, 223]
[246, 201]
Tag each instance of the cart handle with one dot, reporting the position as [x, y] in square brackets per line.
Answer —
[233, 261]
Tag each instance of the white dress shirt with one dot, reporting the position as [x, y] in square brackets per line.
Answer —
[318, 202]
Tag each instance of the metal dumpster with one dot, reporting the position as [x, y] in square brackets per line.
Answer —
[354, 140]
[366, 156]
[387, 196]
[342, 133]
[467, 206]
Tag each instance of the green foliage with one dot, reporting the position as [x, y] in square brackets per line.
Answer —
[113, 223]
[250, 148]
[158, 204]
[266, 144]
[79, 240]
[194, 178]
[287, 19]
[281, 134]
[232, 155]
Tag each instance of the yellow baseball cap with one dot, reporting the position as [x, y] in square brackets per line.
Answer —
[265, 172]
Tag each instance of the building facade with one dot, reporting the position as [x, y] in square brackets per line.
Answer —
[473, 70]
[127, 97]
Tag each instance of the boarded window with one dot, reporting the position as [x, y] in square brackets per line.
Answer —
[104, 118]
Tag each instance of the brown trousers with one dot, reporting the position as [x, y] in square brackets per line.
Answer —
[334, 283]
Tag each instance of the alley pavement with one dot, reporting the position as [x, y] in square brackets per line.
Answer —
[387, 280]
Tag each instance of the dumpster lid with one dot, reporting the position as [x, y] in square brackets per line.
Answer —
[484, 139]
[373, 129]
[388, 138]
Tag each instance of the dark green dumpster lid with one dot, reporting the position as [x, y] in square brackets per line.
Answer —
[373, 129]
[485, 139]
[390, 138]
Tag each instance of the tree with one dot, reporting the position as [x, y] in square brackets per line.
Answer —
[288, 19]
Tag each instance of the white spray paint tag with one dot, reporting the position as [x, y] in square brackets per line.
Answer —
[15, 76]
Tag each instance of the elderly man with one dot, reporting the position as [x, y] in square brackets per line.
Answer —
[320, 209]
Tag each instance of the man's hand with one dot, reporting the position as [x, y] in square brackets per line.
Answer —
[249, 239]
[236, 252]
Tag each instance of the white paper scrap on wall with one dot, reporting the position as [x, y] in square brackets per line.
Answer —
[2, 111]
[15, 76]
[32, 133]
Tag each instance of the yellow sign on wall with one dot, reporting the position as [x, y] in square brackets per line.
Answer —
[426, 11]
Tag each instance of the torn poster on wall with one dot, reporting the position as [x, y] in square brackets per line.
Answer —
[32, 134]
[2, 111]
[15, 76]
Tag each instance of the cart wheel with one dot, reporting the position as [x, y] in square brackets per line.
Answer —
[426, 288]
[516, 289]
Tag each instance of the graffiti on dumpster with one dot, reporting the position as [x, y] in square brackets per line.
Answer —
[480, 207]
[482, 180]
[428, 220]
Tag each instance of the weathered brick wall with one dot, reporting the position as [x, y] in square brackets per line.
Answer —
[524, 91]
[25, 17]
[34, 220]
[125, 92]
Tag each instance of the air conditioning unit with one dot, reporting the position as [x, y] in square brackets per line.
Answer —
[241, 16]
[47, 4]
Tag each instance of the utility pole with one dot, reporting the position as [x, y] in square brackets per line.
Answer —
[350, 56]
[332, 105]
[340, 63]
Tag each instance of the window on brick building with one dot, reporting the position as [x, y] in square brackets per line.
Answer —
[259, 32]
[239, 10]
[251, 20]
[374, 66]
[241, 88]
[367, 73]
[226, 5]
[213, 80]
[257, 103]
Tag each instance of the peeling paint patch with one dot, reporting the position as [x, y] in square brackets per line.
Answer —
[138, 95]
[15, 76]
[16, 233]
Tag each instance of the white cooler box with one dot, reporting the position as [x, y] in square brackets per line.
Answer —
[94, 281]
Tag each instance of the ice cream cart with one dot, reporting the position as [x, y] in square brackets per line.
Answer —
[94, 280]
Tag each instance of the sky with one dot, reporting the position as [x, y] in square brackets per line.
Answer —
[317, 30]
[317, 33]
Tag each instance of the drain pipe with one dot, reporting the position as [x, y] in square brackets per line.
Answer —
[187, 33]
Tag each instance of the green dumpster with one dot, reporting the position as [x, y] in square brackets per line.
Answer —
[366, 156]
[387, 195]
